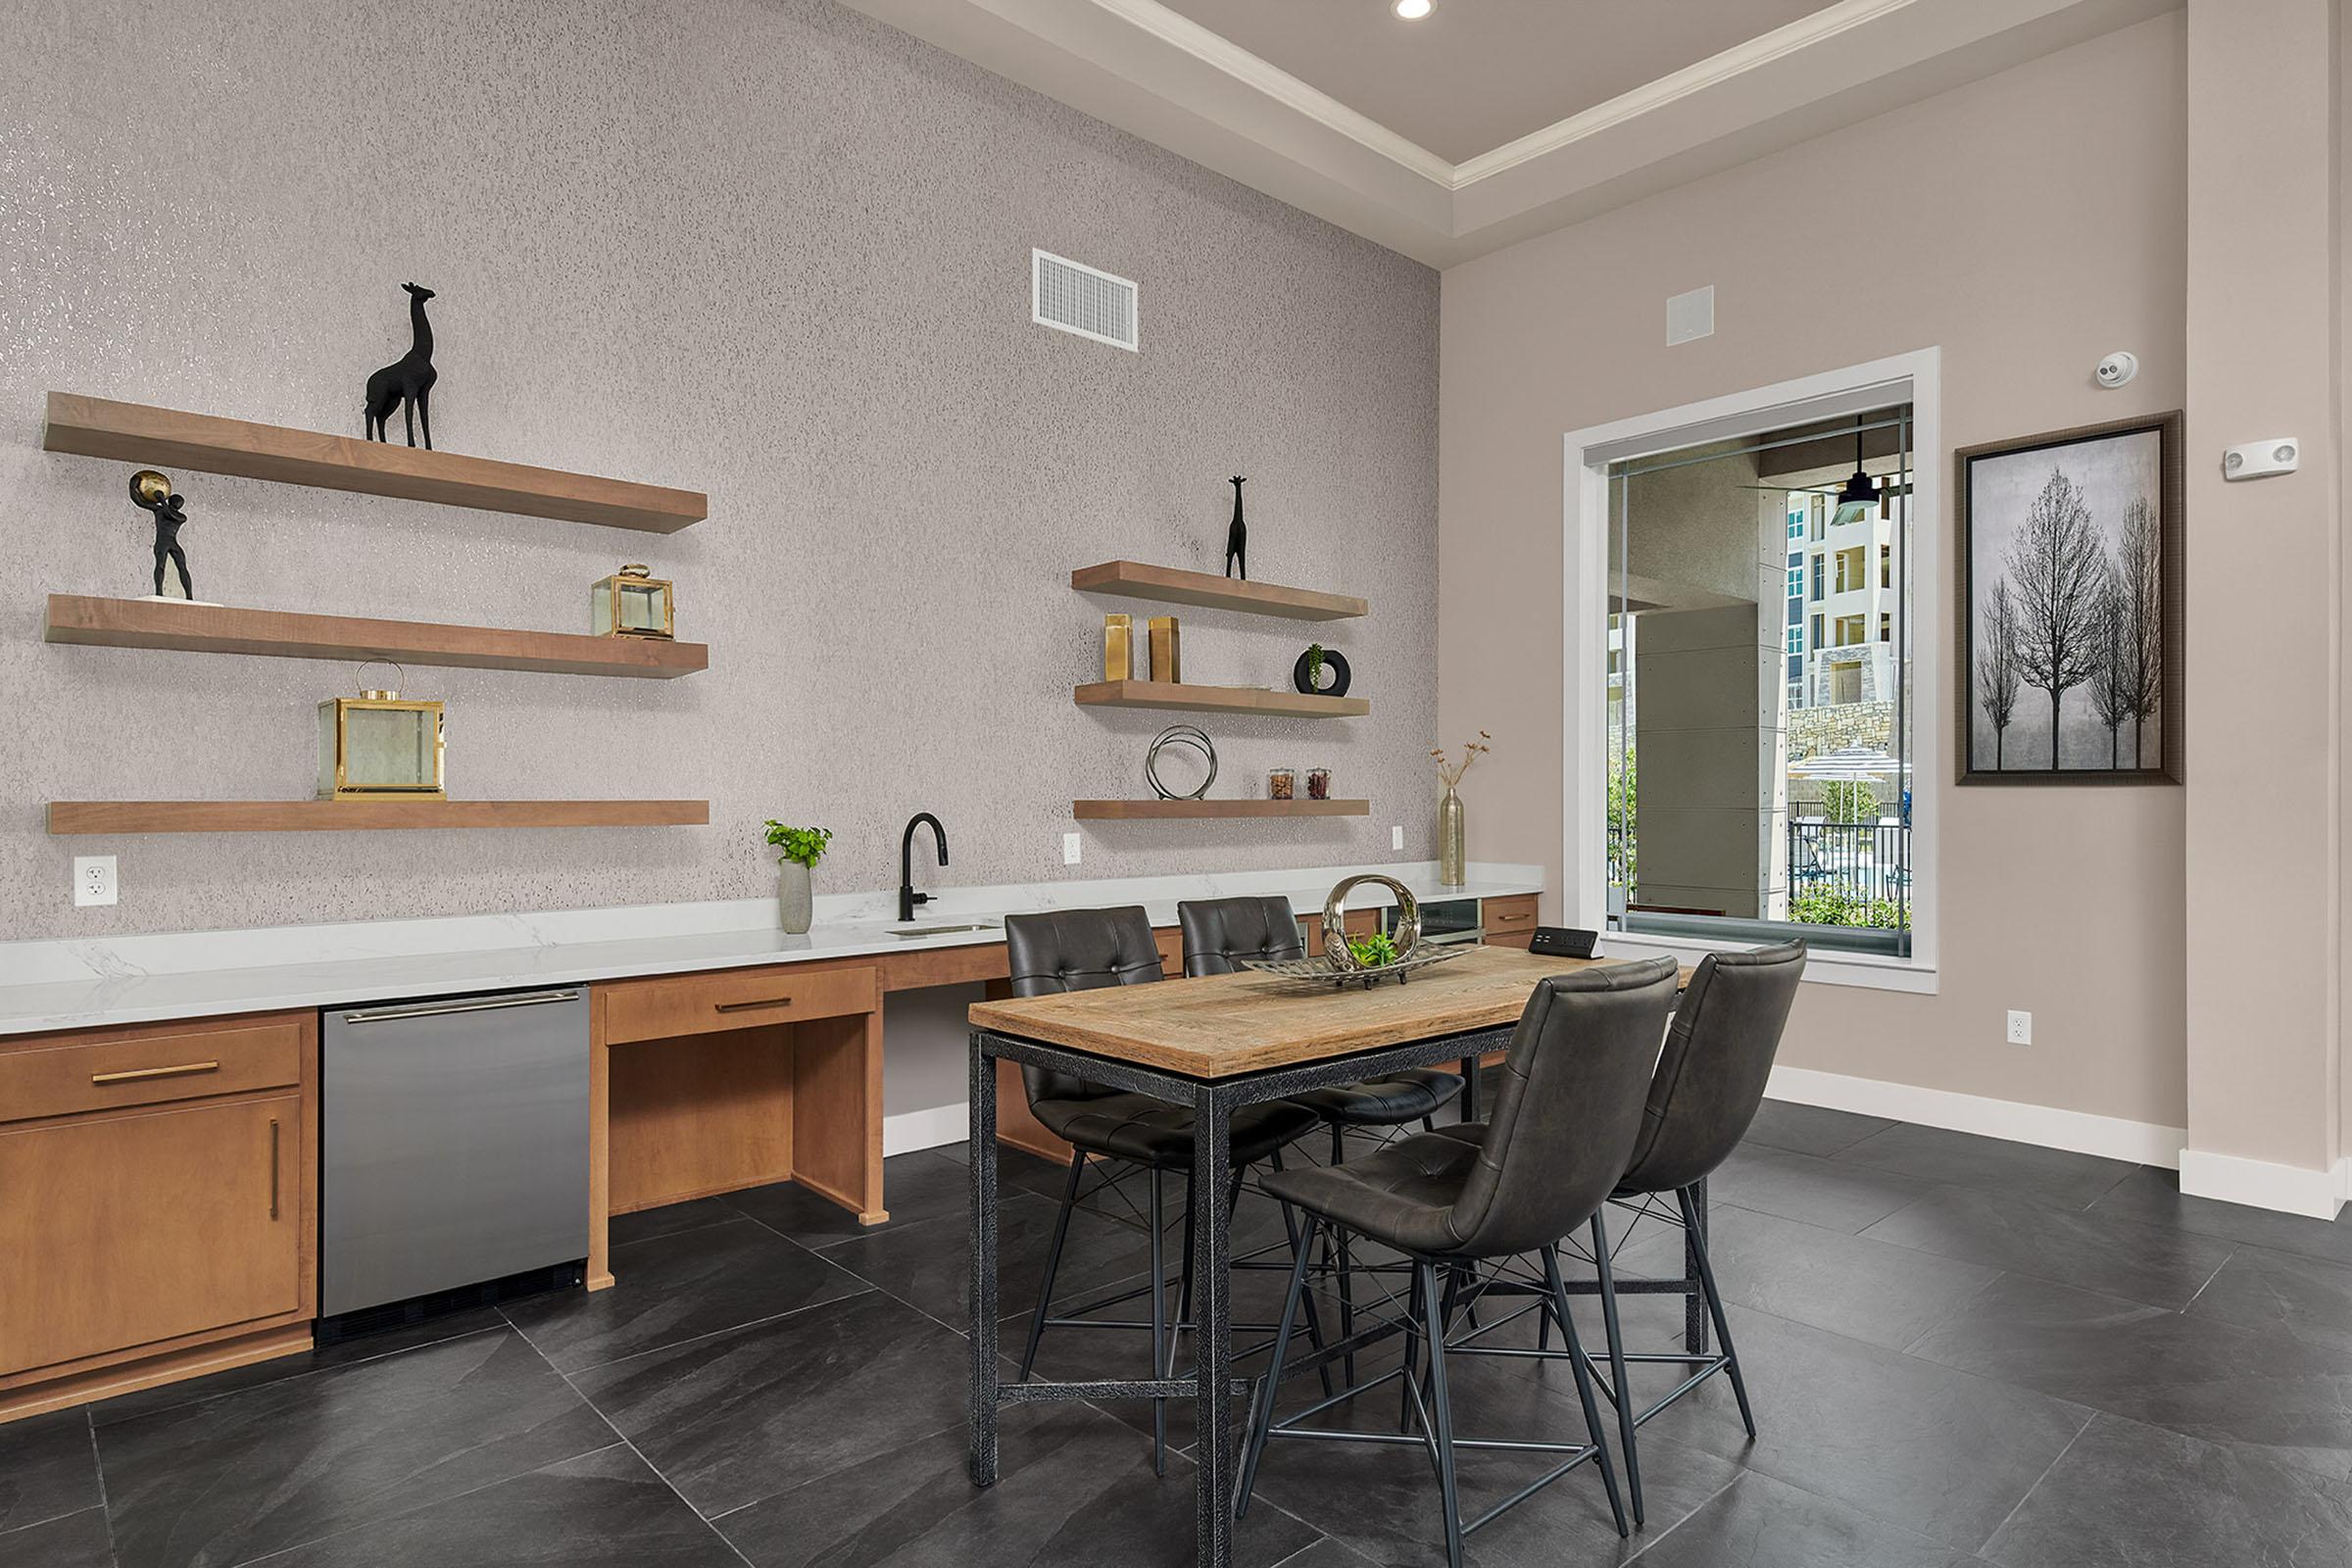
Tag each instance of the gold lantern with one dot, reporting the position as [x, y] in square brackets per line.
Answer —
[631, 603]
[379, 745]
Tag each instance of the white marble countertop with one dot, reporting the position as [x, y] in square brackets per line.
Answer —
[140, 979]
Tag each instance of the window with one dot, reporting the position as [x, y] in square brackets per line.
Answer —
[1849, 569]
[1822, 839]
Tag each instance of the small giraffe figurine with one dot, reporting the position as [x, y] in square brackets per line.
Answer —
[407, 383]
[1236, 537]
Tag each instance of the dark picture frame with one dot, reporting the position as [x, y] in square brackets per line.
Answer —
[2069, 546]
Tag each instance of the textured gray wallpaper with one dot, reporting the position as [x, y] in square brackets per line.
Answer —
[763, 247]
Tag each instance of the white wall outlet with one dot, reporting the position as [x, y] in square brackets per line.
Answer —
[93, 879]
[1070, 849]
[2021, 1028]
[1396, 838]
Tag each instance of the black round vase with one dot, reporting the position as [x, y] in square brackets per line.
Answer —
[1337, 663]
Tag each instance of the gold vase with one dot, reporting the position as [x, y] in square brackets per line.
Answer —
[1453, 869]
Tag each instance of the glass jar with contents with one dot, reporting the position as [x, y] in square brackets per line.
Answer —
[1318, 783]
[1281, 782]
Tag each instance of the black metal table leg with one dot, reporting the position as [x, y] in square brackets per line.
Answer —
[1213, 1336]
[1469, 1089]
[983, 1152]
[1695, 1304]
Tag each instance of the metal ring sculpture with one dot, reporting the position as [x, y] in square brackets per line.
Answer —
[1407, 935]
[1181, 735]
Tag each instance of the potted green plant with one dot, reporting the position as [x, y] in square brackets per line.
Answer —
[801, 849]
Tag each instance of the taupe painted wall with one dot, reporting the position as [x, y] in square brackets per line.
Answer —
[2027, 223]
[2266, 755]
[763, 247]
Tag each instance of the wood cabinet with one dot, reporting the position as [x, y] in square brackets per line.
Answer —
[158, 1214]
[1510, 922]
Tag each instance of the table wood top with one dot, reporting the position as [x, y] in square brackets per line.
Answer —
[1222, 1026]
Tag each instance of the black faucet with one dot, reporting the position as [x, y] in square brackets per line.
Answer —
[907, 896]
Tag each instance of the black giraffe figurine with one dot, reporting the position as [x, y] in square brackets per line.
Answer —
[407, 383]
[1236, 537]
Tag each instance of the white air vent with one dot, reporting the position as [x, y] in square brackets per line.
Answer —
[1072, 296]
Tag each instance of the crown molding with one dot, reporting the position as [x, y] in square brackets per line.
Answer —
[1216, 50]
[1807, 33]
[1159, 75]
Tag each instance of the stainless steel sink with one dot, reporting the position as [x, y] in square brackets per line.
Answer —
[909, 932]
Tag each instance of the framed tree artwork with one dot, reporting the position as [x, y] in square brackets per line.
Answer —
[2070, 610]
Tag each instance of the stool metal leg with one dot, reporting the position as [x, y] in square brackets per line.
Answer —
[1298, 1244]
[1045, 1288]
[1723, 1329]
[1442, 1412]
[1617, 1375]
[1583, 1385]
[1160, 1349]
[1263, 1424]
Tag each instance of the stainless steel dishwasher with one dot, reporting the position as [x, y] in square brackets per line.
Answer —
[454, 1145]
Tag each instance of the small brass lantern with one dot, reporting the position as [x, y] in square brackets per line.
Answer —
[632, 603]
[379, 745]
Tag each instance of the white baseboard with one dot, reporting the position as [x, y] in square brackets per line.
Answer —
[910, 1130]
[2259, 1184]
[2142, 1143]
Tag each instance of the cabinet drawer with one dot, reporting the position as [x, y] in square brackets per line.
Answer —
[149, 1068]
[1506, 918]
[122, 1231]
[701, 1003]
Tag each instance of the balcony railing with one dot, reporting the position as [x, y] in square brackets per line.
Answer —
[1865, 862]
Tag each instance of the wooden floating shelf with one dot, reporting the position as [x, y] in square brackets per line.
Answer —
[1169, 585]
[340, 816]
[271, 633]
[1185, 810]
[139, 432]
[1218, 699]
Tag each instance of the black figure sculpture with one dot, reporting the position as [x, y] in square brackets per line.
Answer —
[1236, 537]
[151, 492]
[408, 380]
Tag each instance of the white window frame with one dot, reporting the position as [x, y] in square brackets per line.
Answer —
[1915, 379]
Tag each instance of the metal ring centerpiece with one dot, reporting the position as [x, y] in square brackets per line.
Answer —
[1189, 735]
[1339, 965]
[1406, 936]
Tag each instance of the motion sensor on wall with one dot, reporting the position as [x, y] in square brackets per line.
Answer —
[2118, 369]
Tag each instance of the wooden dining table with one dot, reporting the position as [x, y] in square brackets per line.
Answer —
[1217, 1044]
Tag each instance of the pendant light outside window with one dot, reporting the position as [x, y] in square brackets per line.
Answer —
[1861, 492]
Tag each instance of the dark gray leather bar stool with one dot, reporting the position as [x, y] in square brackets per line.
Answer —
[1083, 950]
[1708, 1085]
[1218, 934]
[1566, 1118]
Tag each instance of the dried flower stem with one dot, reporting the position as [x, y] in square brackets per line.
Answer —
[1450, 773]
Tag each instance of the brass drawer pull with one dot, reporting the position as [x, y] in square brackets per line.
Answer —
[747, 1006]
[136, 1074]
[273, 1167]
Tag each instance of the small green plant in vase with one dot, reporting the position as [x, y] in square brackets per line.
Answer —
[1373, 950]
[800, 849]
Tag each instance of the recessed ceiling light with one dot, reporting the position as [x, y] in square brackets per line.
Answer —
[1411, 10]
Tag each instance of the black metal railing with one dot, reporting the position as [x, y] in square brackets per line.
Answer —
[1864, 861]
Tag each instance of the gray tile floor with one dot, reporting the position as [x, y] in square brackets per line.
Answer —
[1962, 1351]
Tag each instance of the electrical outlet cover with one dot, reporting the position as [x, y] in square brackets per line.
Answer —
[1396, 838]
[93, 880]
[1070, 849]
[2021, 1028]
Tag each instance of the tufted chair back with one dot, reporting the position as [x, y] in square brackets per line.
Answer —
[1711, 1075]
[1569, 1108]
[1218, 933]
[1077, 949]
